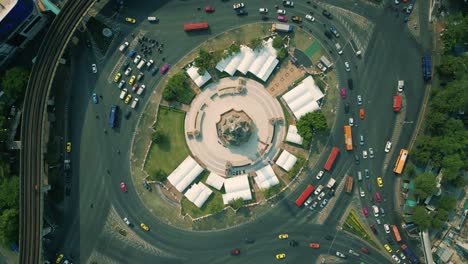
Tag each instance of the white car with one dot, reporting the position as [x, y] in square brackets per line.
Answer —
[402, 256]
[359, 99]
[123, 93]
[263, 10]
[126, 221]
[288, 3]
[321, 195]
[137, 59]
[281, 12]
[371, 153]
[351, 121]
[149, 63]
[308, 201]
[128, 71]
[94, 68]
[388, 146]
[238, 5]
[361, 192]
[387, 228]
[346, 64]
[318, 190]
[397, 260]
[364, 154]
[310, 18]
[319, 175]
[397, 2]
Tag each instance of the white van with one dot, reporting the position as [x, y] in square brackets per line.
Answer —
[141, 89]
[141, 64]
[135, 103]
[153, 19]
[123, 93]
[338, 48]
[359, 176]
[376, 210]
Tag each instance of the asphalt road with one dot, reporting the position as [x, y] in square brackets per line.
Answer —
[392, 54]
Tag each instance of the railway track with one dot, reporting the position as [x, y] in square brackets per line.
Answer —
[31, 157]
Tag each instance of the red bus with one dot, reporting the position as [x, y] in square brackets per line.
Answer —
[195, 26]
[304, 195]
[396, 103]
[396, 233]
[331, 159]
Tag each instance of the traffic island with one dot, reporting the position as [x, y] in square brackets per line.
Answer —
[353, 225]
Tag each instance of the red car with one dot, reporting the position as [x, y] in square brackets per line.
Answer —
[164, 68]
[377, 197]
[209, 9]
[343, 93]
[235, 252]
[365, 250]
[123, 187]
[314, 245]
[283, 18]
[366, 213]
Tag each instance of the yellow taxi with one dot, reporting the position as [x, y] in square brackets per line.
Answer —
[380, 182]
[144, 227]
[132, 80]
[388, 248]
[117, 77]
[128, 98]
[68, 147]
[280, 256]
[59, 258]
[130, 20]
[283, 236]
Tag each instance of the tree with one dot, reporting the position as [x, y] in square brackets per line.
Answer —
[204, 61]
[439, 219]
[278, 42]
[9, 226]
[282, 53]
[159, 175]
[9, 192]
[452, 165]
[425, 184]
[452, 99]
[421, 218]
[255, 43]
[455, 31]
[425, 148]
[15, 81]
[236, 203]
[451, 66]
[175, 87]
[158, 137]
[233, 49]
[447, 203]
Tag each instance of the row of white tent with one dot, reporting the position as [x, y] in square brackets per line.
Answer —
[303, 98]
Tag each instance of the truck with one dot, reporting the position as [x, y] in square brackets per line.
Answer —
[349, 184]
[196, 26]
[304, 195]
[331, 183]
[348, 138]
[331, 158]
[410, 254]
[278, 27]
[396, 103]
[427, 68]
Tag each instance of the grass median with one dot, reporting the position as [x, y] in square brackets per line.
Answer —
[353, 225]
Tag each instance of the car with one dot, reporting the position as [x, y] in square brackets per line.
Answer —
[388, 146]
[241, 12]
[361, 113]
[347, 67]
[378, 221]
[123, 187]
[343, 93]
[263, 10]
[140, 76]
[362, 193]
[328, 34]
[371, 153]
[135, 87]
[409, 9]
[282, 18]
[125, 65]
[324, 203]
[310, 18]
[144, 227]
[281, 12]
[117, 77]
[321, 195]
[314, 205]
[397, 260]
[154, 71]
[327, 14]
[350, 84]
[149, 63]
[68, 147]
[132, 80]
[339, 254]
[356, 159]
[293, 243]
[137, 59]
[354, 253]
[308, 201]
[94, 68]
[331, 193]
[95, 98]
[314, 245]
[380, 182]
[127, 114]
[288, 3]
[131, 53]
[123, 93]
[126, 221]
[402, 256]
[328, 237]
[378, 198]
[121, 84]
[365, 212]
[238, 5]
[128, 98]
[130, 20]
[264, 18]
[388, 248]
[297, 19]
[365, 250]
[374, 230]
[59, 258]
[319, 175]
[164, 68]
[318, 190]
[346, 108]
[389, 240]
[128, 71]
[334, 31]
[364, 154]
[280, 256]
[397, 2]
[249, 240]
[361, 139]
[351, 121]
[386, 228]
[234, 252]
[283, 236]
[209, 9]
[366, 173]
[359, 99]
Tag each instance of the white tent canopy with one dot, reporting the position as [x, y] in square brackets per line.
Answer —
[303, 98]
[185, 174]
[286, 160]
[237, 187]
[215, 181]
[198, 79]
[293, 136]
[198, 194]
[260, 62]
[266, 177]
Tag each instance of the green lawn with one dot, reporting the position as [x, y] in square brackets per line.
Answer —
[173, 150]
[353, 225]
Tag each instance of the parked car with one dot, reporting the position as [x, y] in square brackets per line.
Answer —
[324, 203]
[386, 228]
[281, 11]
[137, 59]
[397, 260]
[128, 71]
[310, 18]
[282, 18]
[296, 19]
[318, 190]
[321, 195]
[164, 68]
[319, 175]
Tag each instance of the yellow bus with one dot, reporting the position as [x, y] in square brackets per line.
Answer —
[400, 163]
[348, 138]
